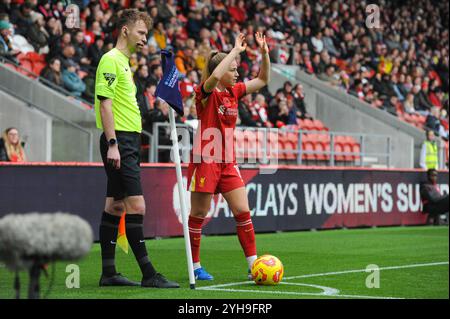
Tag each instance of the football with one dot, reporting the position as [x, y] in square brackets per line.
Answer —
[267, 270]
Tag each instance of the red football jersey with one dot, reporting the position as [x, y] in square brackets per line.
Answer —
[217, 114]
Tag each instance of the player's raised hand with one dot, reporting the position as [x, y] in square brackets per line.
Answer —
[261, 41]
[240, 44]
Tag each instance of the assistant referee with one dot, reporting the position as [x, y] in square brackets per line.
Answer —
[117, 114]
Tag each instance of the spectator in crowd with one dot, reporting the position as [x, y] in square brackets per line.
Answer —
[52, 72]
[37, 34]
[68, 55]
[429, 154]
[279, 113]
[390, 105]
[81, 49]
[421, 101]
[156, 73]
[140, 80]
[95, 51]
[433, 122]
[434, 203]
[71, 80]
[443, 116]
[6, 48]
[408, 105]
[258, 111]
[299, 101]
[245, 115]
[329, 75]
[160, 114]
[188, 83]
[11, 146]
[21, 17]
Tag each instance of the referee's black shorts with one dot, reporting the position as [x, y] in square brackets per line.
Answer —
[125, 181]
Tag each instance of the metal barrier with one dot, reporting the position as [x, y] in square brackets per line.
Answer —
[262, 145]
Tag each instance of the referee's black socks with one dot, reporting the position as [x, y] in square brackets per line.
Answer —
[109, 227]
[135, 236]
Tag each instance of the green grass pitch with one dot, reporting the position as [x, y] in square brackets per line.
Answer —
[413, 263]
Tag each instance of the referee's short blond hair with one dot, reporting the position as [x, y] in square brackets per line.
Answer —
[129, 17]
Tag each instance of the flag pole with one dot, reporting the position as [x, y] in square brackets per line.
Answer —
[187, 241]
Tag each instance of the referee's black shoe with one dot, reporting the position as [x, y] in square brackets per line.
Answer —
[159, 281]
[116, 280]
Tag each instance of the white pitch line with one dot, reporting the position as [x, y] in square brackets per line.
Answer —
[299, 293]
[330, 274]
[328, 291]
[364, 270]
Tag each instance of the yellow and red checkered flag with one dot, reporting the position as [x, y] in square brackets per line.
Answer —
[122, 240]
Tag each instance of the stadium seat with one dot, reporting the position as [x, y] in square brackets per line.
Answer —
[338, 148]
[35, 57]
[320, 149]
[26, 68]
[250, 144]
[289, 147]
[305, 124]
[305, 137]
[308, 147]
[347, 148]
[38, 66]
[292, 137]
[356, 148]
[318, 126]
[239, 144]
[280, 151]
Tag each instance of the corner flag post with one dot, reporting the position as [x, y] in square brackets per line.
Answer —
[187, 241]
[168, 91]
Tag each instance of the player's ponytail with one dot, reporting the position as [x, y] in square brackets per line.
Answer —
[214, 59]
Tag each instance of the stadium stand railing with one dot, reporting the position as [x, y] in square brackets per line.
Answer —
[289, 145]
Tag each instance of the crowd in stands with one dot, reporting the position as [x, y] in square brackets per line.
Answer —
[401, 67]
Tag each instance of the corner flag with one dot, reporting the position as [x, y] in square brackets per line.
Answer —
[167, 88]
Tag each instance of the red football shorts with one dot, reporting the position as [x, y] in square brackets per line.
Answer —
[214, 178]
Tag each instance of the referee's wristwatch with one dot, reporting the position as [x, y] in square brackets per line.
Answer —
[112, 142]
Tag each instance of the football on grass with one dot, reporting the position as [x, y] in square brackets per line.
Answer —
[267, 270]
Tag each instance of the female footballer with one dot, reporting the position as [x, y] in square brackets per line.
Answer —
[216, 100]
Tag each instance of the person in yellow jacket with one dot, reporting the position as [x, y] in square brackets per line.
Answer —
[429, 155]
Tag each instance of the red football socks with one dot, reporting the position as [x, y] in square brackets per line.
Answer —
[246, 233]
[195, 235]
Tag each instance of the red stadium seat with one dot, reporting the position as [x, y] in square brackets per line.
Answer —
[356, 149]
[38, 67]
[308, 147]
[290, 146]
[306, 138]
[280, 151]
[35, 57]
[239, 144]
[338, 148]
[318, 125]
[26, 64]
[347, 148]
[320, 149]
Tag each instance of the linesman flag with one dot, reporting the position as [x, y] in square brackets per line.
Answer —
[122, 240]
[168, 89]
